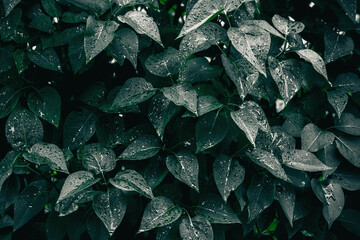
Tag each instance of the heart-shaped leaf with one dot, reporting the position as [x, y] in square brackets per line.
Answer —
[286, 26]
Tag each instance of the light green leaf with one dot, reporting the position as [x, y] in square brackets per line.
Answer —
[75, 183]
[8, 100]
[285, 194]
[130, 180]
[110, 207]
[98, 35]
[337, 46]
[303, 160]
[316, 61]
[349, 124]
[46, 104]
[348, 146]
[185, 167]
[159, 212]
[182, 95]
[228, 175]
[143, 147]
[9, 5]
[286, 26]
[47, 153]
[142, 24]
[313, 138]
[47, 59]
[338, 99]
[96, 158]
[197, 227]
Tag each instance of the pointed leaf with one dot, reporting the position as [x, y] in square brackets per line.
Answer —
[96, 228]
[329, 156]
[47, 59]
[348, 82]
[348, 146]
[303, 160]
[286, 26]
[313, 138]
[70, 204]
[285, 194]
[264, 25]
[337, 46]
[349, 6]
[349, 124]
[207, 104]
[338, 100]
[316, 61]
[182, 95]
[77, 55]
[348, 179]
[143, 147]
[6, 166]
[55, 227]
[8, 100]
[197, 227]
[110, 207]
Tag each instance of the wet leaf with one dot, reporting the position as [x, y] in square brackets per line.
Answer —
[285, 194]
[338, 100]
[182, 95]
[8, 100]
[143, 147]
[316, 61]
[348, 146]
[96, 158]
[337, 46]
[198, 70]
[47, 59]
[6, 166]
[55, 227]
[264, 25]
[228, 175]
[303, 160]
[51, 8]
[110, 207]
[286, 26]
[96, 228]
[207, 104]
[313, 138]
[9, 5]
[197, 227]
[130, 180]
[70, 204]
[329, 156]
[349, 124]
[348, 179]
[347, 82]
[349, 6]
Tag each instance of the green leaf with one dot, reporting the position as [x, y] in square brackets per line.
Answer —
[350, 219]
[6, 60]
[316, 61]
[207, 104]
[197, 227]
[29, 203]
[6, 166]
[286, 77]
[55, 227]
[42, 23]
[75, 183]
[286, 26]
[94, 94]
[79, 127]
[125, 44]
[71, 17]
[253, 43]
[166, 63]
[46, 104]
[65, 37]
[76, 54]
[23, 129]
[303, 160]
[98, 35]
[260, 194]
[198, 70]
[213, 208]
[21, 60]
[285, 194]
[338, 99]
[96, 229]
[159, 212]
[96, 158]
[329, 156]
[143, 147]
[9, 5]
[185, 167]
[264, 25]
[142, 24]
[135, 90]
[130, 180]
[123, 3]
[348, 146]
[268, 161]
[202, 12]
[8, 100]
[294, 124]
[51, 8]
[228, 175]
[337, 46]
[349, 124]
[348, 82]
[47, 59]
[70, 204]
[47, 153]
[313, 138]
[97, 7]
[160, 112]
[203, 38]
[349, 6]
[348, 179]
[110, 207]
[182, 95]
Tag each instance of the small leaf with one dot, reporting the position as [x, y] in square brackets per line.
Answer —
[8, 100]
[338, 100]
[47, 59]
[98, 36]
[96, 158]
[197, 227]
[143, 147]
[228, 175]
[79, 127]
[313, 138]
[285, 194]
[23, 129]
[130, 180]
[182, 95]
[47, 153]
[166, 63]
[286, 26]
[202, 12]
[42, 23]
[212, 208]
[110, 207]
[303, 160]
[9, 5]
[46, 104]
[135, 90]
[316, 61]
[348, 146]
[348, 179]
[142, 24]
[21, 60]
[159, 212]
[337, 46]
[75, 183]
[185, 167]
[253, 43]
[349, 124]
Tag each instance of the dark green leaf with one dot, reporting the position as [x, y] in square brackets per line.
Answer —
[42, 23]
[316, 61]
[264, 25]
[9, 5]
[68, 36]
[337, 46]
[198, 70]
[285, 194]
[96, 229]
[55, 227]
[143, 147]
[21, 60]
[294, 124]
[197, 227]
[206, 104]
[6, 166]
[349, 6]
[303, 160]
[348, 82]
[94, 94]
[338, 100]
[350, 219]
[286, 26]
[348, 146]
[97, 7]
[182, 95]
[348, 179]
[47, 59]
[6, 60]
[329, 156]
[70, 204]
[313, 138]
[71, 17]
[76, 54]
[51, 8]
[349, 124]
[8, 100]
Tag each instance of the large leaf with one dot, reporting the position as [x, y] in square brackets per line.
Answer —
[71, 204]
[182, 95]
[285, 194]
[8, 100]
[253, 43]
[313, 138]
[348, 146]
[75, 183]
[47, 153]
[349, 124]
[185, 167]
[337, 46]
[79, 127]
[286, 26]
[143, 147]
[316, 61]
[23, 129]
[46, 104]
[161, 211]
[197, 227]
[228, 175]
[330, 157]
[55, 227]
[213, 208]
[202, 12]
[47, 59]
[130, 180]
[96, 158]
[211, 129]
[303, 160]
[98, 36]
[110, 207]
[142, 24]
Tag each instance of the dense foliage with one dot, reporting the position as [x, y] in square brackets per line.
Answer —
[199, 119]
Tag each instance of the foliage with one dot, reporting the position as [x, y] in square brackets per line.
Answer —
[198, 119]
